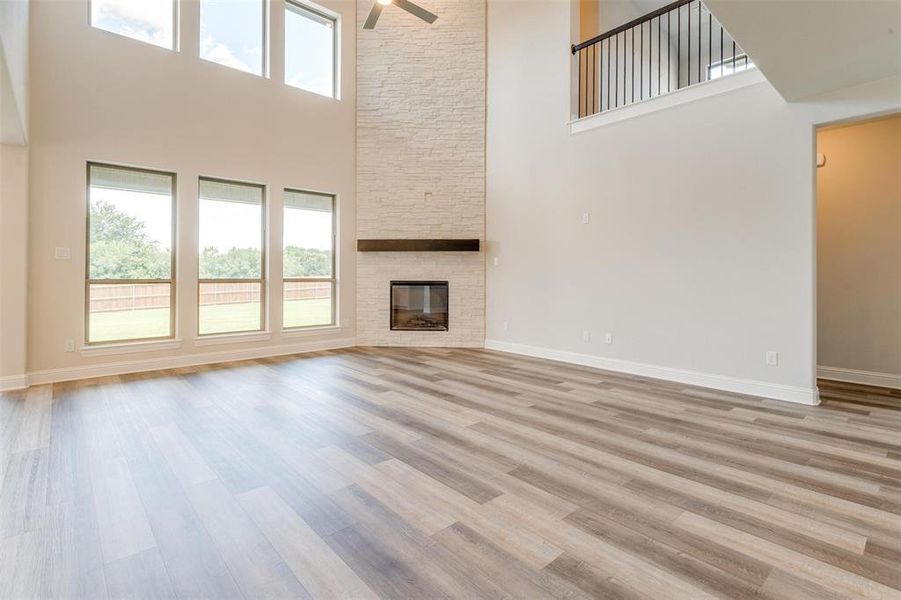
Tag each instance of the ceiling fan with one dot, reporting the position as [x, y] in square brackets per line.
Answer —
[406, 5]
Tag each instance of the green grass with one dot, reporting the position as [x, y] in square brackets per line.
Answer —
[218, 318]
[306, 313]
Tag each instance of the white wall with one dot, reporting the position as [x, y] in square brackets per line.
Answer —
[99, 96]
[699, 257]
[859, 250]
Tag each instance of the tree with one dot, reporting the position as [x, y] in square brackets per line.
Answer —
[121, 248]
[237, 263]
[307, 262]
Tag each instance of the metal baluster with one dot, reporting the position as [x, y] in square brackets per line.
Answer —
[650, 50]
[669, 52]
[608, 74]
[679, 48]
[688, 58]
[580, 83]
[700, 37]
[616, 73]
[658, 54]
[721, 50]
[733, 56]
[594, 52]
[632, 81]
[709, 42]
[641, 62]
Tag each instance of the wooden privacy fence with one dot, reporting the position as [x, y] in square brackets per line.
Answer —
[138, 296]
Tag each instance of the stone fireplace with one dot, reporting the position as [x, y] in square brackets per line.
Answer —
[421, 169]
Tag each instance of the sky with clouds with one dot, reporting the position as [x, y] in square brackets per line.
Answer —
[231, 34]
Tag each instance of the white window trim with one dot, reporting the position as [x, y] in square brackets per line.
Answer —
[233, 338]
[129, 347]
[300, 332]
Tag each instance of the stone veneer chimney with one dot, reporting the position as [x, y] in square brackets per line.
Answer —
[421, 163]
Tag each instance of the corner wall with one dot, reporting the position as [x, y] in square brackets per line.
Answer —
[859, 252]
[13, 266]
[699, 254]
[421, 162]
[14, 97]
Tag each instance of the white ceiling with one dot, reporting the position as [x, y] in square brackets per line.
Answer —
[809, 47]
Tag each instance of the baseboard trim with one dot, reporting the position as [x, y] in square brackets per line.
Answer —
[856, 376]
[9, 383]
[776, 391]
[188, 360]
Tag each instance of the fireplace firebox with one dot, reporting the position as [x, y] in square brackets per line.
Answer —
[419, 306]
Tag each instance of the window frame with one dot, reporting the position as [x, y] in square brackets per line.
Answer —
[264, 54]
[172, 281]
[302, 6]
[176, 33]
[743, 59]
[264, 209]
[334, 277]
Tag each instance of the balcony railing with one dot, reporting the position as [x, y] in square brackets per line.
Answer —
[676, 46]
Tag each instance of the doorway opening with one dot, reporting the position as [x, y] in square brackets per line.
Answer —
[858, 264]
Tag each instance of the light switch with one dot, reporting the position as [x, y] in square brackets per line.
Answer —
[62, 254]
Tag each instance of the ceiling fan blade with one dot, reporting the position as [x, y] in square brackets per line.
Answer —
[373, 16]
[416, 10]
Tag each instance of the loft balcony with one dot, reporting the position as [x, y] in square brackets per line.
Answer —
[677, 46]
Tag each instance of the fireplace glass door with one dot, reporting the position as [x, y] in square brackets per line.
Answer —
[419, 306]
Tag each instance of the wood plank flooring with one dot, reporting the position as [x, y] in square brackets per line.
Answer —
[443, 473]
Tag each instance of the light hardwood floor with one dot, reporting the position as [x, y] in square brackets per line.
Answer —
[431, 473]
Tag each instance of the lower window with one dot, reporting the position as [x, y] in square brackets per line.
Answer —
[231, 290]
[308, 259]
[309, 303]
[129, 276]
[129, 311]
[230, 307]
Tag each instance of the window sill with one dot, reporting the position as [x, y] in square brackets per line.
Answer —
[311, 331]
[129, 347]
[233, 338]
[658, 103]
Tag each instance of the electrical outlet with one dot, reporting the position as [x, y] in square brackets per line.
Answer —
[497, 261]
[506, 326]
[586, 218]
[586, 336]
[62, 253]
[772, 359]
[69, 346]
[608, 339]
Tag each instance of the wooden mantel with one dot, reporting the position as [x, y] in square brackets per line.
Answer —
[418, 245]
